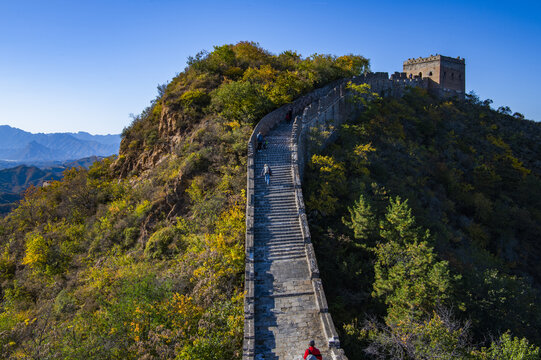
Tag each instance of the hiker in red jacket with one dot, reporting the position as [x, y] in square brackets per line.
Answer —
[312, 352]
[289, 115]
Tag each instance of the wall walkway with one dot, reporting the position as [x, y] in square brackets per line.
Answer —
[285, 305]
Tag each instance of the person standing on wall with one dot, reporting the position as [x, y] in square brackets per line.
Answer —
[267, 172]
[312, 353]
[289, 115]
[259, 138]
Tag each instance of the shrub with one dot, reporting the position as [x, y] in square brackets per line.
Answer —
[163, 243]
[242, 101]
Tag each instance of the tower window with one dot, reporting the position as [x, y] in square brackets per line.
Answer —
[421, 74]
[460, 76]
[430, 73]
[452, 76]
[444, 74]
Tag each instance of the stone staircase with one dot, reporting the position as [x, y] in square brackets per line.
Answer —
[286, 315]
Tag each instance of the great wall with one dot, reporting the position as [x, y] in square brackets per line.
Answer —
[285, 305]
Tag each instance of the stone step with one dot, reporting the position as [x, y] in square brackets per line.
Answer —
[286, 216]
[292, 221]
[286, 247]
[285, 255]
[272, 194]
[280, 249]
[265, 219]
[259, 176]
[260, 243]
[262, 232]
[261, 229]
[274, 197]
[275, 225]
[276, 207]
[292, 224]
[286, 315]
[263, 244]
[278, 240]
[269, 228]
[282, 199]
[289, 213]
[276, 235]
[263, 241]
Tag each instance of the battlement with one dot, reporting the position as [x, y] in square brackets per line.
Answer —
[437, 57]
[394, 85]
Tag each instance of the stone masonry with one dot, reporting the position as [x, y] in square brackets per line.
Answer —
[286, 313]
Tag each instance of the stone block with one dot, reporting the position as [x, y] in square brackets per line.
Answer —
[319, 294]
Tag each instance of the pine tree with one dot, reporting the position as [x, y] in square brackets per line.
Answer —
[407, 274]
[362, 220]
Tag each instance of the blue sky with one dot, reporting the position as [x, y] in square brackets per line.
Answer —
[86, 65]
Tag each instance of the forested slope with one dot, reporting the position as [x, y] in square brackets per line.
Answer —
[142, 256]
[426, 217]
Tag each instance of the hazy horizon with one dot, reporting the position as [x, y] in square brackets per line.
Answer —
[60, 132]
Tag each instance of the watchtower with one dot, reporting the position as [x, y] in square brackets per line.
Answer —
[444, 73]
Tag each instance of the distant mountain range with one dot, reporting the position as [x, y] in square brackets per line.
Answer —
[21, 147]
[15, 180]
[31, 159]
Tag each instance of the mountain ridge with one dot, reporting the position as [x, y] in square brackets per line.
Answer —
[15, 180]
[20, 145]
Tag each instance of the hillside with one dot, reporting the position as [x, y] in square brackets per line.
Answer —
[141, 257]
[14, 181]
[26, 148]
[425, 216]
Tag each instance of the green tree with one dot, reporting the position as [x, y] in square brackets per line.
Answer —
[407, 275]
[245, 102]
[508, 348]
[438, 336]
[331, 185]
[362, 93]
[362, 220]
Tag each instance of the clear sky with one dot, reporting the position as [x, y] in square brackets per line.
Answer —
[79, 65]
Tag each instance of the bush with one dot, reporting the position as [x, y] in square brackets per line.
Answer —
[242, 101]
[163, 243]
